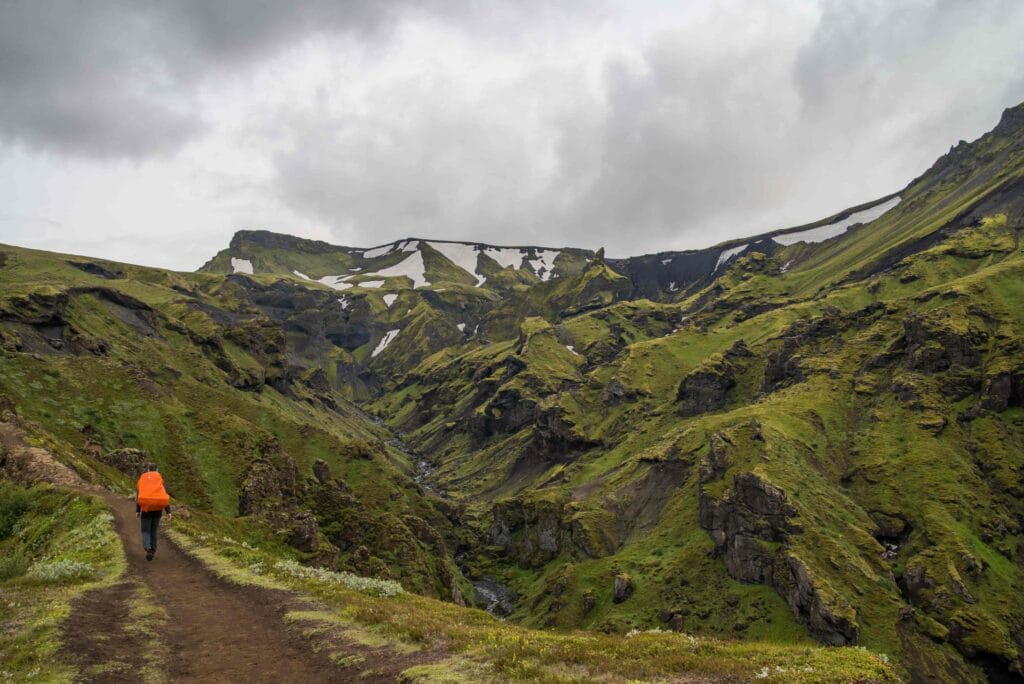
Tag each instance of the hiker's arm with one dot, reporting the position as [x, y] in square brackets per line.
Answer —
[138, 509]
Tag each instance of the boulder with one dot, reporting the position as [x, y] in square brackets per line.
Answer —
[304, 533]
[321, 471]
[131, 462]
[615, 393]
[623, 588]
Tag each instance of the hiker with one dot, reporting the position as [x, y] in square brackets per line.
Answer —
[151, 501]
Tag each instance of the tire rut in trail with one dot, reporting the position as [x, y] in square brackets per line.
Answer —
[119, 651]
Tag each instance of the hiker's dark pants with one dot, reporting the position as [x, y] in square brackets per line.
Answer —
[150, 521]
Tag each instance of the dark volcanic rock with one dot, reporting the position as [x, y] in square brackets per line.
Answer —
[507, 412]
[749, 528]
[93, 268]
[716, 461]
[304, 533]
[615, 393]
[707, 388]
[623, 588]
[321, 471]
[529, 531]
[938, 340]
[129, 461]
[556, 436]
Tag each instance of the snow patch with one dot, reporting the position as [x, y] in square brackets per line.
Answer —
[410, 246]
[389, 299]
[506, 256]
[302, 275]
[389, 336]
[241, 265]
[411, 267]
[544, 264]
[728, 254]
[461, 327]
[572, 349]
[672, 286]
[378, 251]
[335, 282]
[786, 267]
[344, 302]
[370, 283]
[462, 255]
[822, 233]
[666, 262]
[356, 268]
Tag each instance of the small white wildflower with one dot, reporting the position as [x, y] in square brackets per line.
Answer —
[763, 674]
[368, 585]
[59, 570]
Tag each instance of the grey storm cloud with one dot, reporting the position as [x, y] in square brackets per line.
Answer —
[715, 121]
[705, 138]
[111, 78]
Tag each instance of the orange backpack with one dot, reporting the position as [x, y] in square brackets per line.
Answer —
[152, 495]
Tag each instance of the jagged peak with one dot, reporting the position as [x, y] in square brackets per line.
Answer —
[1011, 122]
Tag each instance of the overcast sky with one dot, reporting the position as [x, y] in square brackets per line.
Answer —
[150, 131]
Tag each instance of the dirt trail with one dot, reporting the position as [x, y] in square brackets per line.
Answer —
[215, 631]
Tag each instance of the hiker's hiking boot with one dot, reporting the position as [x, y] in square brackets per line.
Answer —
[149, 554]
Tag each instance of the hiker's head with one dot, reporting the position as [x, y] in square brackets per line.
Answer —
[151, 467]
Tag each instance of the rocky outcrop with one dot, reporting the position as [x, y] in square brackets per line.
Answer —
[321, 471]
[750, 526]
[755, 511]
[556, 436]
[531, 532]
[303, 532]
[509, 411]
[622, 588]
[783, 367]
[129, 461]
[827, 622]
[707, 387]
[98, 269]
[1002, 389]
[616, 393]
[935, 341]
